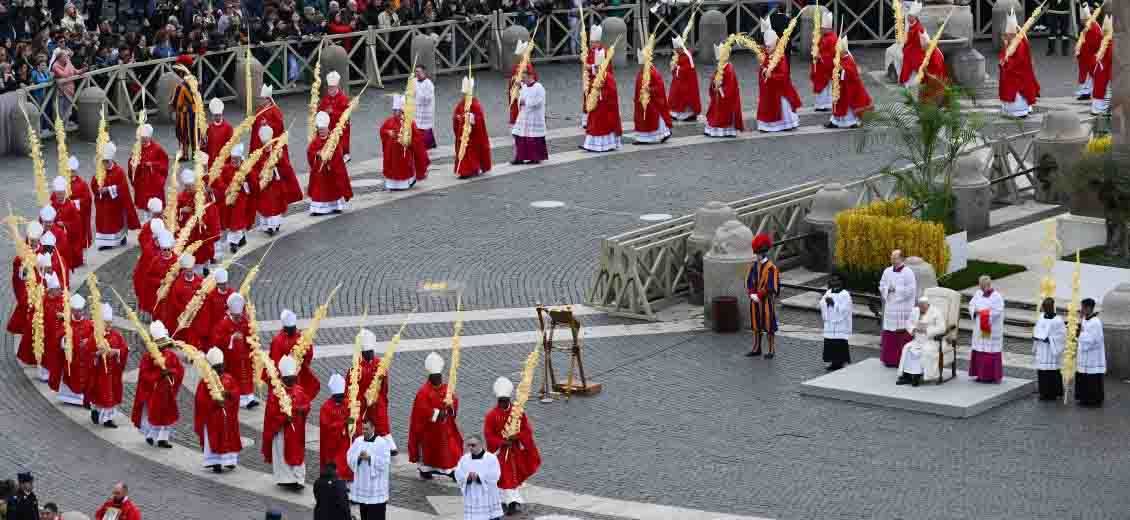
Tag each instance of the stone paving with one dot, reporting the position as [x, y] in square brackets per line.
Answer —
[777, 454]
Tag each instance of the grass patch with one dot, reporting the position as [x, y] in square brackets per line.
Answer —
[1097, 256]
[967, 277]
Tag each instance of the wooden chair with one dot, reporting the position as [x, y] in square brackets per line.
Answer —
[548, 321]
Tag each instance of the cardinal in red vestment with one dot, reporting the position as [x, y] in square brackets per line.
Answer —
[653, 122]
[155, 410]
[214, 308]
[602, 126]
[404, 165]
[119, 506]
[219, 131]
[1018, 87]
[1092, 37]
[83, 200]
[334, 429]
[375, 413]
[239, 216]
[184, 287]
[334, 103]
[53, 309]
[935, 78]
[216, 421]
[72, 381]
[68, 216]
[149, 174]
[283, 345]
[914, 48]
[154, 274]
[517, 454]
[207, 229]
[104, 390]
[854, 100]
[476, 157]
[284, 436]
[592, 62]
[329, 187]
[270, 115]
[22, 275]
[114, 212]
[230, 335]
[434, 441]
[1103, 73]
[684, 99]
[777, 100]
[821, 70]
[271, 201]
[514, 81]
[724, 115]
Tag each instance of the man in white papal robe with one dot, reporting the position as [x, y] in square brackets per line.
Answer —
[920, 356]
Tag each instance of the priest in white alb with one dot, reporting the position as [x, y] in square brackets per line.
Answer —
[898, 288]
[477, 476]
[986, 363]
[921, 354]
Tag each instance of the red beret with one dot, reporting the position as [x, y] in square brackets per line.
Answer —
[762, 242]
[186, 60]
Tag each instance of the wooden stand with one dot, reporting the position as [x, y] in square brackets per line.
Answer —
[549, 385]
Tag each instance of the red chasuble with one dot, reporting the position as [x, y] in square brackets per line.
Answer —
[151, 280]
[125, 511]
[437, 444]
[912, 52]
[237, 354]
[521, 459]
[72, 243]
[289, 191]
[334, 106]
[217, 136]
[329, 180]
[149, 174]
[105, 388]
[373, 413]
[773, 88]
[821, 70]
[333, 437]
[726, 103]
[605, 117]
[477, 157]
[1092, 40]
[293, 430]
[83, 200]
[853, 93]
[76, 373]
[685, 96]
[240, 215]
[281, 345]
[1018, 76]
[158, 392]
[112, 214]
[402, 163]
[1104, 67]
[647, 119]
[221, 418]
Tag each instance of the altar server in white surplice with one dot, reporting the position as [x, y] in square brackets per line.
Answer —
[477, 475]
[1048, 339]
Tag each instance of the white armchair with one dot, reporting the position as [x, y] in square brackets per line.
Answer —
[934, 362]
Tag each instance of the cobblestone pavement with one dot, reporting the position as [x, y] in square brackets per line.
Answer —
[778, 455]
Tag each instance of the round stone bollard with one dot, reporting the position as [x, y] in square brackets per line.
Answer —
[924, 274]
[88, 110]
[241, 88]
[505, 59]
[335, 59]
[424, 52]
[1000, 14]
[166, 86]
[17, 140]
[1116, 330]
[967, 67]
[725, 266]
[706, 222]
[711, 31]
[830, 200]
[616, 30]
[1057, 148]
[804, 44]
[972, 193]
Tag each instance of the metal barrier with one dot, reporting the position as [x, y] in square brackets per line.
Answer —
[643, 269]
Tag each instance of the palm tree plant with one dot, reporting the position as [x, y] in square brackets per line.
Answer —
[930, 136]
[1102, 171]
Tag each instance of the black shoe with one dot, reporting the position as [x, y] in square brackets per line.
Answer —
[1084, 97]
[242, 241]
[394, 453]
[830, 126]
[105, 248]
[770, 355]
[823, 110]
[916, 380]
[425, 475]
[229, 467]
[664, 140]
[109, 424]
[252, 404]
[148, 441]
[217, 469]
[753, 353]
[298, 486]
[270, 232]
[123, 242]
[94, 416]
[233, 248]
[511, 508]
[336, 212]
[164, 444]
[903, 379]
[515, 162]
[452, 475]
[533, 162]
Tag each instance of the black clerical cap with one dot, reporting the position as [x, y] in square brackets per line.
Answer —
[25, 477]
[274, 515]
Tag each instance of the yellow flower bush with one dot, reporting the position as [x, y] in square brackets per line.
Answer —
[868, 234]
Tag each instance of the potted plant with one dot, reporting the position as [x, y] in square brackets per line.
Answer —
[1101, 173]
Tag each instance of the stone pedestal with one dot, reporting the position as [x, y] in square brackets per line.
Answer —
[1076, 232]
[17, 140]
[1000, 15]
[616, 32]
[804, 27]
[1058, 147]
[505, 60]
[972, 193]
[335, 59]
[1116, 331]
[166, 85]
[960, 25]
[821, 218]
[424, 52]
[88, 108]
[711, 31]
[726, 266]
[924, 274]
[241, 88]
[707, 220]
[967, 68]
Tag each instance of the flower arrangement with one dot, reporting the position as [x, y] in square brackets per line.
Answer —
[868, 235]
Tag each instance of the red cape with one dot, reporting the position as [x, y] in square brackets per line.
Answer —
[112, 215]
[217, 135]
[605, 117]
[436, 444]
[684, 96]
[105, 388]
[772, 89]
[1092, 40]
[149, 175]
[294, 433]
[1104, 68]
[401, 163]
[647, 120]
[333, 437]
[157, 391]
[281, 345]
[237, 360]
[821, 70]
[222, 419]
[853, 92]
[521, 459]
[334, 106]
[912, 52]
[289, 192]
[1018, 76]
[329, 180]
[477, 157]
[726, 106]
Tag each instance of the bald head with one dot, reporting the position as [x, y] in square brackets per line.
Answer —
[120, 492]
[896, 257]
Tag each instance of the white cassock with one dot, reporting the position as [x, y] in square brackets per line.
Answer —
[1049, 336]
[481, 500]
[899, 290]
[531, 117]
[994, 303]
[920, 356]
[425, 104]
[1092, 349]
[283, 473]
